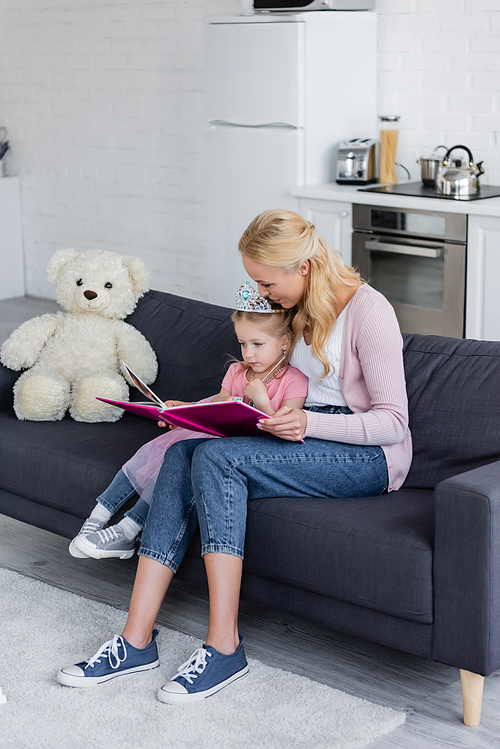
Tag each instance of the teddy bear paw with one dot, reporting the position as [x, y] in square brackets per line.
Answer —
[41, 396]
[84, 405]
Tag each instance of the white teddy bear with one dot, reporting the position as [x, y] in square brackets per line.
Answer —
[72, 357]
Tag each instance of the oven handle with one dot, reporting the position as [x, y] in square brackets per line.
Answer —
[404, 249]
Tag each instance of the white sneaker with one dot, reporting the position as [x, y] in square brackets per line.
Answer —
[90, 526]
[106, 543]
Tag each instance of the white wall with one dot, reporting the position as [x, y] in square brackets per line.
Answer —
[439, 68]
[103, 101]
[104, 105]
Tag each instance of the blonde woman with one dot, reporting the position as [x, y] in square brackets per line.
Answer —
[357, 443]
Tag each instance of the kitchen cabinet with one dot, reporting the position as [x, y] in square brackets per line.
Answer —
[483, 278]
[333, 220]
[11, 249]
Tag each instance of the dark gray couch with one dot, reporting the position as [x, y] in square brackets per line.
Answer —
[417, 569]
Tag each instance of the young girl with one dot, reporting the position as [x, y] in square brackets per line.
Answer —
[264, 379]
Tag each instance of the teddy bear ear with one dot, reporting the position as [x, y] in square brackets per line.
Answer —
[138, 273]
[58, 261]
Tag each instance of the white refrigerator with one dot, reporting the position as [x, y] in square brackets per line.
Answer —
[282, 90]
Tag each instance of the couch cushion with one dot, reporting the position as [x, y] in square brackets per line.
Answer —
[375, 552]
[454, 400]
[67, 464]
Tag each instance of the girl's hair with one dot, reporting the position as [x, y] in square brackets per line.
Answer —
[284, 240]
[276, 324]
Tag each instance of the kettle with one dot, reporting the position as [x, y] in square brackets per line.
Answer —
[456, 180]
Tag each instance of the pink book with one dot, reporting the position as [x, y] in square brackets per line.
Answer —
[226, 419]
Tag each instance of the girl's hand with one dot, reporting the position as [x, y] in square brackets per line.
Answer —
[172, 404]
[255, 390]
[287, 423]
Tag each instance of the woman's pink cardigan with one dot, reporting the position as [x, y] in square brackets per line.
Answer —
[373, 385]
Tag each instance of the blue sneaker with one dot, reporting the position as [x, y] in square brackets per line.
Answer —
[117, 657]
[204, 674]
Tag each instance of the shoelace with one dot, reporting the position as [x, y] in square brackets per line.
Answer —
[109, 650]
[90, 526]
[195, 665]
[109, 534]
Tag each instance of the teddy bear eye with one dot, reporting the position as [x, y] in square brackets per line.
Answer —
[79, 282]
[108, 285]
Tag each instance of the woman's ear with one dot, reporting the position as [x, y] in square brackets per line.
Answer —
[304, 268]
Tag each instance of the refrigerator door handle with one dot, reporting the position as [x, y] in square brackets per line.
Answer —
[270, 125]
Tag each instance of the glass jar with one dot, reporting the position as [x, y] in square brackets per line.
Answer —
[389, 133]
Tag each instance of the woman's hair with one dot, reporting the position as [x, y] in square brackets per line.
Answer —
[284, 240]
[276, 324]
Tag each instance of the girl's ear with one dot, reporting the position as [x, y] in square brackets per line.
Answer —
[285, 343]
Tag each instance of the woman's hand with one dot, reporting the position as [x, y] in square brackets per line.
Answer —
[287, 423]
[172, 404]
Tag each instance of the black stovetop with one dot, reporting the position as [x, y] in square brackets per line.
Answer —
[422, 191]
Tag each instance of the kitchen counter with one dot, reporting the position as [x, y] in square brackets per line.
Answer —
[351, 194]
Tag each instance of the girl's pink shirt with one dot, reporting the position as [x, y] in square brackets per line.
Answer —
[293, 384]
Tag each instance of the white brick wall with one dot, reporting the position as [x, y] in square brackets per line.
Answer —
[103, 100]
[439, 68]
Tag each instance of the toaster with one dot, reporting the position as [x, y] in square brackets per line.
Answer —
[356, 161]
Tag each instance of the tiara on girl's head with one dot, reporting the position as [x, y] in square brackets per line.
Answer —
[249, 300]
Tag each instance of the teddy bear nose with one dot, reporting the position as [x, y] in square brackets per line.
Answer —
[89, 295]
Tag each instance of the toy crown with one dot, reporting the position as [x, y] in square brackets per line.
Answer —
[249, 300]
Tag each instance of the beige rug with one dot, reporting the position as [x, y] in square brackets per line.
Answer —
[43, 628]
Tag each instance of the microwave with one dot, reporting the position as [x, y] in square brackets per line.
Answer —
[299, 5]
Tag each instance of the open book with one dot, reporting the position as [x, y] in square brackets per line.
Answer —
[226, 419]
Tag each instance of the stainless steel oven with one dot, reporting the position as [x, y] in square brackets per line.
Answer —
[417, 259]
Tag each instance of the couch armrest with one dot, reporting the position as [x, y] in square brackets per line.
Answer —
[467, 571]
[7, 380]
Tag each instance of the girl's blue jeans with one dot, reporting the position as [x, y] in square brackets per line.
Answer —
[208, 482]
[118, 492]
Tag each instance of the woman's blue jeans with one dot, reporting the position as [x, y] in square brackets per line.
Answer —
[120, 491]
[209, 482]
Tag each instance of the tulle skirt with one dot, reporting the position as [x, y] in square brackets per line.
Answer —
[143, 468]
